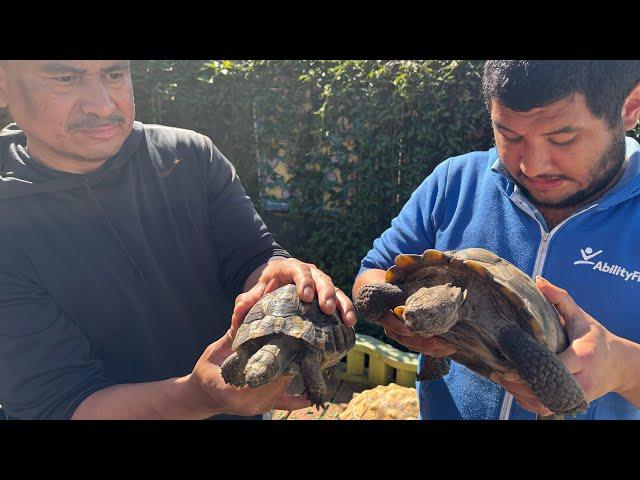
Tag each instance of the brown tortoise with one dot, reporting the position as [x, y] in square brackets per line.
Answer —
[489, 309]
[281, 334]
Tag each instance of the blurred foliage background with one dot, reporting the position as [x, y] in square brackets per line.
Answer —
[329, 151]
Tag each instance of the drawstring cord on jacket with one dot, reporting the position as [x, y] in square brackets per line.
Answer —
[113, 229]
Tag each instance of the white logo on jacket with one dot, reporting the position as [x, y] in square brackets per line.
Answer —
[588, 254]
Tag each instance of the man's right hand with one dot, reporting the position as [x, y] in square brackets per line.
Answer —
[213, 395]
[396, 329]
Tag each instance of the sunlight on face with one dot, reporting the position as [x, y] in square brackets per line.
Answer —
[75, 113]
[559, 154]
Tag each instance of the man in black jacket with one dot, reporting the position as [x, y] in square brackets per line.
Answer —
[122, 247]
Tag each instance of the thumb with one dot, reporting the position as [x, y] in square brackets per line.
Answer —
[222, 348]
[244, 302]
[570, 359]
[561, 299]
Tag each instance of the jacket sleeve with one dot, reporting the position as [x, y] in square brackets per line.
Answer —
[46, 366]
[414, 229]
[242, 240]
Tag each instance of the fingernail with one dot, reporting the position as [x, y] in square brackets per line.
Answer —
[351, 318]
[511, 376]
[542, 279]
[308, 292]
[330, 302]
[494, 377]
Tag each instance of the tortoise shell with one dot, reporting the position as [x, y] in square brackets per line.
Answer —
[384, 402]
[535, 314]
[282, 312]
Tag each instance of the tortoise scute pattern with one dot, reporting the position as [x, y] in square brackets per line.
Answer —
[283, 335]
[384, 402]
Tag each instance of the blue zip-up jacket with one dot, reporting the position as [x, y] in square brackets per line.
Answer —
[469, 201]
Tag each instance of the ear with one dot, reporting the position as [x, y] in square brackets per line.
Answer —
[631, 109]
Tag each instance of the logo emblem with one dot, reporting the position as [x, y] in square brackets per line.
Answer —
[587, 255]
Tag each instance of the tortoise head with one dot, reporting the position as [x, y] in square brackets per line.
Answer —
[434, 310]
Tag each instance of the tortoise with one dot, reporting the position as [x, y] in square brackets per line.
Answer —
[281, 334]
[490, 310]
[384, 402]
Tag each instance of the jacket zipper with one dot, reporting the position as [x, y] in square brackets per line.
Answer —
[541, 256]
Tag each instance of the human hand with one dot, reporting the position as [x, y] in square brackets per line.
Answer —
[211, 393]
[396, 329]
[588, 358]
[309, 281]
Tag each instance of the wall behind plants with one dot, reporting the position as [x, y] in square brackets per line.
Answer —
[356, 138]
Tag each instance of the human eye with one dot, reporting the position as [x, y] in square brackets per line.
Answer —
[511, 138]
[66, 79]
[115, 76]
[563, 141]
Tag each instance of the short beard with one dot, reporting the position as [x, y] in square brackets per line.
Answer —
[600, 176]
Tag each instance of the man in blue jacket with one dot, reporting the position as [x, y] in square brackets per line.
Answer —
[122, 248]
[558, 197]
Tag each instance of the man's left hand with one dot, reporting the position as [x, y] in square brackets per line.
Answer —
[309, 281]
[588, 358]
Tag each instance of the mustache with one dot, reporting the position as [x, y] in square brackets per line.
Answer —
[522, 176]
[94, 121]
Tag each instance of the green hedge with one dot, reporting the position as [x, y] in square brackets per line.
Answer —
[357, 137]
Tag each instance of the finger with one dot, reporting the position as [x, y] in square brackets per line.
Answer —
[520, 390]
[430, 346]
[390, 322]
[560, 298]
[292, 402]
[300, 274]
[512, 376]
[272, 285]
[325, 289]
[571, 360]
[244, 302]
[346, 309]
[536, 407]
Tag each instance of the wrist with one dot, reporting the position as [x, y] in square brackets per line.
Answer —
[627, 360]
[194, 400]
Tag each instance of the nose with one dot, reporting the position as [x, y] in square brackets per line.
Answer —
[535, 161]
[96, 99]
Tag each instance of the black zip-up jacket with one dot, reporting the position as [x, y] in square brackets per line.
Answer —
[122, 275]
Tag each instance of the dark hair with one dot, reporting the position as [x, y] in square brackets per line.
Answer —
[525, 84]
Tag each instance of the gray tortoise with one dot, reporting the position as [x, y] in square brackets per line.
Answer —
[281, 334]
[489, 309]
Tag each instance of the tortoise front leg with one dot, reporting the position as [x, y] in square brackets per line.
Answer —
[315, 386]
[376, 299]
[543, 371]
[233, 367]
[271, 360]
[434, 368]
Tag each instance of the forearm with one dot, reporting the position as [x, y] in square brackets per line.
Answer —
[628, 357]
[367, 277]
[174, 398]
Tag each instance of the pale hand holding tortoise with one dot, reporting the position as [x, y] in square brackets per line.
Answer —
[490, 310]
